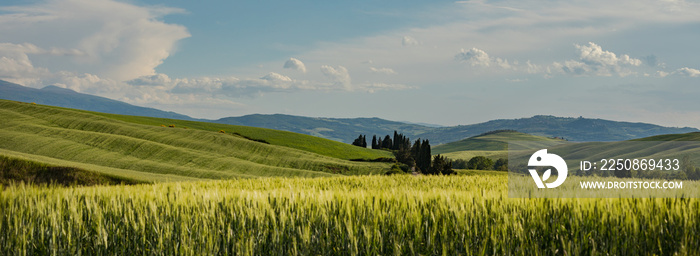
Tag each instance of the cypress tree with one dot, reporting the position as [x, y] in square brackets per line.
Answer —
[425, 157]
[387, 142]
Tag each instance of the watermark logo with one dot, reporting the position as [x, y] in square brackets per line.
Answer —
[543, 159]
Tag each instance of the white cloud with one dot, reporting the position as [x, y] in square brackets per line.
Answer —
[686, 71]
[153, 80]
[15, 65]
[593, 54]
[339, 76]
[201, 85]
[532, 68]
[474, 56]
[274, 77]
[86, 83]
[593, 60]
[661, 74]
[109, 39]
[478, 57]
[295, 64]
[409, 41]
[386, 71]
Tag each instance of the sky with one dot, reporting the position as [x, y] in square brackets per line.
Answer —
[439, 62]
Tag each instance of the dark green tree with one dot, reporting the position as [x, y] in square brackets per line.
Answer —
[360, 141]
[501, 165]
[387, 143]
[441, 165]
[459, 164]
[424, 157]
[374, 142]
[480, 163]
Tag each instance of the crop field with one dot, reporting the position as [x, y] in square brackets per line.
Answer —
[361, 215]
[468, 154]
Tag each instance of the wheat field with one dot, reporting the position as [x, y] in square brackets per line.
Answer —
[361, 215]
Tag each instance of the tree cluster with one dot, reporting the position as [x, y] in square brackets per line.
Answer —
[481, 163]
[361, 141]
[416, 155]
[399, 142]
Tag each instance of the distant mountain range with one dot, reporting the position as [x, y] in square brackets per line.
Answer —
[60, 97]
[569, 128]
[347, 129]
[340, 129]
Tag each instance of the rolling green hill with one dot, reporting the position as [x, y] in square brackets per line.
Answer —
[496, 141]
[141, 149]
[670, 146]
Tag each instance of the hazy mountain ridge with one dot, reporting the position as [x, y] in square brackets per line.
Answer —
[340, 129]
[347, 129]
[61, 97]
[569, 128]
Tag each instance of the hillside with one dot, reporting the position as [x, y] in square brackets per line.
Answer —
[497, 141]
[120, 147]
[572, 129]
[346, 130]
[338, 129]
[671, 146]
[60, 97]
[493, 145]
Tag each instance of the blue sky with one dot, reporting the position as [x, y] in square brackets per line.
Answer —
[441, 62]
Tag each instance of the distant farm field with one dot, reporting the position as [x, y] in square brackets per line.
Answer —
[362, 215]
[468, 154]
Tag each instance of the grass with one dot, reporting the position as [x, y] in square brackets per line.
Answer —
[465, 172]
[496, 142]
[675, 146]
[17, 170]
[129, 150]
[363, 215]
[468, 154]
[303, 142]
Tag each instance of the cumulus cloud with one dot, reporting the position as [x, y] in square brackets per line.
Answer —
[105, 38]
[339, 76]
[15, 65]
[274, 77]
[478, 57]
[153, 80]
[593, 60]
[386, 71]
[295, 64]
[474, 56]
[593, 54]
[686, 71]
[409, 41]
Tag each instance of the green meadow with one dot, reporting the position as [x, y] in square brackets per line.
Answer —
[135, 148]
[493, 145]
